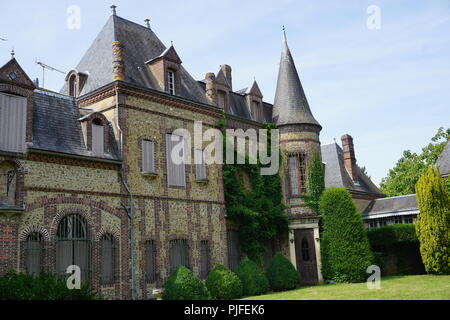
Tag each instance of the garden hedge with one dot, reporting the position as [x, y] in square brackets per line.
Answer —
[253, 279]
[183, 285]
[223, 284]
[392, 234]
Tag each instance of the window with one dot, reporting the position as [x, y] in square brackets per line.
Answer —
[255, 110]
[73, 245]
[148, 156]
[204, 259]
[372, 223]
[221, 99]
[178, 254]
[13, 111]
[150, 261]
[98, 145]
[73, 85]
[305, 250]
[200, 165]
[297, 174]
[171, 82]
[398, 219]
[108, 259]
[175, 161]
[382, 222]
[233, 249]
[33, 253]
[408, 219]
[8, 183]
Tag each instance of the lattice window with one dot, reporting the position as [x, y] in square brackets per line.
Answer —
[178, 254]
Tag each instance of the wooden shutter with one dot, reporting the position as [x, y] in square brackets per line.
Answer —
[200, 168]
[175, 172]
[13, 111]
[148, 156]
[97, 139]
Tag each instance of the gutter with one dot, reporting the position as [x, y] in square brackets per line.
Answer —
[129, 208]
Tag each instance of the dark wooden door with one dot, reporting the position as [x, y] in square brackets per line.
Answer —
[305, 252]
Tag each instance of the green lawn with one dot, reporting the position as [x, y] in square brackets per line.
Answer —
[422, 287]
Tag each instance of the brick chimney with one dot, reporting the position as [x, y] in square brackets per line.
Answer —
[211, 88]
[118, 62]
[226, 69]
[349, 156]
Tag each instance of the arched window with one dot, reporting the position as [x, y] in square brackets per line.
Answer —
[73, 245]
[33, 253]
[8, 183]
[108, 259]
[179, 254]
[305, 250]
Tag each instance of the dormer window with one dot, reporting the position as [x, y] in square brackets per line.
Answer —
[72, 85]
[221, 98]
[256, 110]
[75, 82]
[170, 82]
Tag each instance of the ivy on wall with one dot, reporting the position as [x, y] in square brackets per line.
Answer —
[254, 202]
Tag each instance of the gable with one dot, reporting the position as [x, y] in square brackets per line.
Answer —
[12, 72]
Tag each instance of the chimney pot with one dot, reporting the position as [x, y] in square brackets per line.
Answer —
[349, 156]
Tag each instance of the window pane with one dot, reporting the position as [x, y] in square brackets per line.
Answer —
[150, 261]
[175, 172]
[108, 259]
[293, 174]
[179, 254]
[97, 139]
[200, 166]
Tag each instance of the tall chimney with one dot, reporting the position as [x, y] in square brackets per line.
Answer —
[226, 69]
[118, 63]
[349, 156]
[211, 88]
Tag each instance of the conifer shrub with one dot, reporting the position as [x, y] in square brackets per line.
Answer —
[253, 279]
[433, 222]
[183, 285]
[45, 286]
[345, 249]
[281, 273]
[223, 284]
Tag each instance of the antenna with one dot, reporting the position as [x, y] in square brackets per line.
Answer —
[45, 66]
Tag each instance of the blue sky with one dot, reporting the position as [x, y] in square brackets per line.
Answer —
[388, 88]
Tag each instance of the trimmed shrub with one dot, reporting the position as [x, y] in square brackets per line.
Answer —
[433, 222]
[345, 248]
[183, 285]
[392, 234]
[46, 286]
[281, 273]
[223, 284]
[253, 279]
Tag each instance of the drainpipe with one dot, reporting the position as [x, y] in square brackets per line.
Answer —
[128, 209]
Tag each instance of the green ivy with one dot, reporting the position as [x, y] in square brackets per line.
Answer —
[257, 209]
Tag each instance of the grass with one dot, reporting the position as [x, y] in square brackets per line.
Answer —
[420, 287]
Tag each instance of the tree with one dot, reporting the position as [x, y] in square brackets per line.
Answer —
[402, 178]
[316, 182]
[433, 222]
[345, 248]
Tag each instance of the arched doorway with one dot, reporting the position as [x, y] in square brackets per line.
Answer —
[306, 256]
[73, 245]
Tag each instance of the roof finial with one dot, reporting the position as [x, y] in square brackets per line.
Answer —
[171, 43]
[113, 8]
[12, 53]
[284, 34]
[147, 22]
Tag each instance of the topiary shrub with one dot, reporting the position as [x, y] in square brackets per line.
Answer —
[281, 273]
[183, 285]
[223, 284]
[433, 222]
[253, 279]
[345, 248]
[46, 286]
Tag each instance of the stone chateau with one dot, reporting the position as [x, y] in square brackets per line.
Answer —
[85, 178]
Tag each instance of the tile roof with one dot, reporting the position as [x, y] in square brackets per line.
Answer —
[400, 205]
[443, 161]
[56, 126]
[336, 174]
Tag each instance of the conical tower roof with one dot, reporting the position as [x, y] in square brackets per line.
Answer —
[291, 105]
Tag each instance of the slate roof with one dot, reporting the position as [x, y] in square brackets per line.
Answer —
[140, 44]
[443, 161]
[56, 127]
[401, 205]
[291, 105]
[336, 174]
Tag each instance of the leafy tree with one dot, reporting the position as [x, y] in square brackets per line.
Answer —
[345, 248]
[316, 182]
[433, 222]
[402, 178]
